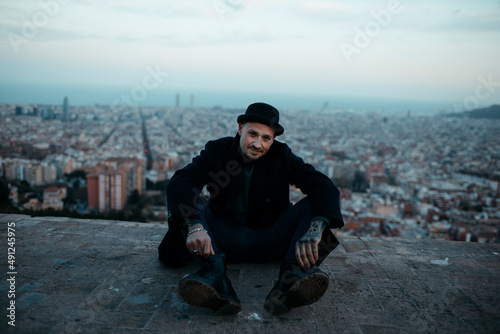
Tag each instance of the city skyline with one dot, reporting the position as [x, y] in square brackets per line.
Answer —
[429, 177]
[294, 54]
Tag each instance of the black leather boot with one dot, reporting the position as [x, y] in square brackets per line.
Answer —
[296, 286]
[210, 288]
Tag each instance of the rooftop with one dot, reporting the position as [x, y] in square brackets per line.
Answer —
[96, 276]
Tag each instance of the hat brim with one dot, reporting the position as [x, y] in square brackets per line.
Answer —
[278, 129]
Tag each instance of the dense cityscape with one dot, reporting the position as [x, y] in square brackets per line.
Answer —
[406, 176]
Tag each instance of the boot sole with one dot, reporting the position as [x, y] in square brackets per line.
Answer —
[304, 292]
[201, 295]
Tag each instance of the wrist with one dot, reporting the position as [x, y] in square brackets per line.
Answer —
[323, 218]
[195, 230]
[318, 224]
[194, 226]
[190, 224]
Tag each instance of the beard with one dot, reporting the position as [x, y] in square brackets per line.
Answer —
[251, 153]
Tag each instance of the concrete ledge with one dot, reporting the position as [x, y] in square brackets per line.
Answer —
[95, 276]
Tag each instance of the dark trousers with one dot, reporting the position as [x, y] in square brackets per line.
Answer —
[239, 244]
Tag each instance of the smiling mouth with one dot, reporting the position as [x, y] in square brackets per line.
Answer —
[255, 150]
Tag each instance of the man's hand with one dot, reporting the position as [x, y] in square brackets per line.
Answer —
[306, 248]
[198, 241]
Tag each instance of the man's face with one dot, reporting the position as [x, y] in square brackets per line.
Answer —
[255, 141]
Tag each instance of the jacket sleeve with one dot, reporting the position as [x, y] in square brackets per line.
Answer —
[322, 192]
[184, 188]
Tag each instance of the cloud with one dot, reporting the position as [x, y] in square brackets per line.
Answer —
[473, 23]
[293, 42]
[472, 17]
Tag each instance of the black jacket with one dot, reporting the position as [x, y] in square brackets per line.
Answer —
[219, 167]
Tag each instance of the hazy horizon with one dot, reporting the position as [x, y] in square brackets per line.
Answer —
[85, 96]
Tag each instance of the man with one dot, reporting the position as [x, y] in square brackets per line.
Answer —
[249, 217]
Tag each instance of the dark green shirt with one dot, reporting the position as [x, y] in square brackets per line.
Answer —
[242, 203]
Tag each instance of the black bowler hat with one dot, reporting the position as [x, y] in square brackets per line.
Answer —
[263, 113]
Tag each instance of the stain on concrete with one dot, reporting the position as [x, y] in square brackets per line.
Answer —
[30, 286]
[31, 298]
[441, 262]
[140, 299]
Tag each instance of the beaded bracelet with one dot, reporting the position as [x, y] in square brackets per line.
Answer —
[195, 230]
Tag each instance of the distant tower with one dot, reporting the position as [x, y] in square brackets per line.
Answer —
[65, 115]
[191, 102]
[325, 105]
[177, 99]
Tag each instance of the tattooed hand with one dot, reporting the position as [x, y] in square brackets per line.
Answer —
[306, 248]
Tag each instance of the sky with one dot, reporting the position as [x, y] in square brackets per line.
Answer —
[306, 54]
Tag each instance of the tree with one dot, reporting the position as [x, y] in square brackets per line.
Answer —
[77, 174]
[4, 194]
[359, 184]
[24, 186]
[134, 198]
[70, 198]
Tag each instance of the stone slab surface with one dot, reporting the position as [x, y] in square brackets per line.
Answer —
[96, 276]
